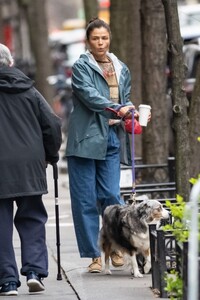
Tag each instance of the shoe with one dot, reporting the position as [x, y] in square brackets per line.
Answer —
[95, 266]
[34, 282]
[117, 259]
[9, 289]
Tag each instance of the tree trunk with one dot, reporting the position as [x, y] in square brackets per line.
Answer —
[179, 100]
[119, 28]
[16, 28]
[154, 55]
[126, 44]
[35, 13]
[91, 9]
[194, 127]
[126, 41]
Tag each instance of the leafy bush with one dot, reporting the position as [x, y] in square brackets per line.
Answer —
[174, 285]
[178, 227]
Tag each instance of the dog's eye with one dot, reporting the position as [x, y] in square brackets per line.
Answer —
[159, 208]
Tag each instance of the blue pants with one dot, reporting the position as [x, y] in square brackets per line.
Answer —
[29, 220]
[94, 184]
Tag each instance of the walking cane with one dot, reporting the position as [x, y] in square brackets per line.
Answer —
[55, 177]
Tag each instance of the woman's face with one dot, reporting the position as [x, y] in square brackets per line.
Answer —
[99, 42]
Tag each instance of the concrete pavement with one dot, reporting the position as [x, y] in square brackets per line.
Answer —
[76, 283]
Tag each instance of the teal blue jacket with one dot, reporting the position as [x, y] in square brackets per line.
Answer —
[88, 125]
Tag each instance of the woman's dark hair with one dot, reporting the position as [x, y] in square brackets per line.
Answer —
[96, 23]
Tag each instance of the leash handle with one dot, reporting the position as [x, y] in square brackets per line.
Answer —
[116, 113]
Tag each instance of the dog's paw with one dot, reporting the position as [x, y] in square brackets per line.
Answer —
[147, 267]
[137, 274]
[107, 272]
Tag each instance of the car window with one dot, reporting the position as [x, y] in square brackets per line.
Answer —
[190, 19]
[189, 15]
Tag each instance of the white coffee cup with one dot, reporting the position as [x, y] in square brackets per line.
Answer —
[144, 111]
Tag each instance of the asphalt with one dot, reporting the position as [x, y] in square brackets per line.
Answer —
[76, 282]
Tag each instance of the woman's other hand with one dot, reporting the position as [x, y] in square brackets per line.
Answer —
[149, 117]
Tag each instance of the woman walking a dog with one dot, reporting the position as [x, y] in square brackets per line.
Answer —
[100, 82]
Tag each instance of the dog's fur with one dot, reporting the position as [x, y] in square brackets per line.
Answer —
[125, 228]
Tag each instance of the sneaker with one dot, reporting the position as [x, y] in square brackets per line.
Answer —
[117, 259]
[34, 282]
[9, 289]
[95, 266]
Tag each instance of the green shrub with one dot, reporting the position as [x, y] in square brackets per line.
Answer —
[178, 227]
[174, 285]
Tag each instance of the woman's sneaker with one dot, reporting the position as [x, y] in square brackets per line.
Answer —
[9, 289]
[95, 266]
[34, 282]
[117, 259]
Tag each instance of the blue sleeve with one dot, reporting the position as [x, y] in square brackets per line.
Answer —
[86, 91]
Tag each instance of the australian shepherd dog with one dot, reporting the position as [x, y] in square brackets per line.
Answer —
[125, 228]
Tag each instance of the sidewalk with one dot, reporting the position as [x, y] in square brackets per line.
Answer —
[76, 283]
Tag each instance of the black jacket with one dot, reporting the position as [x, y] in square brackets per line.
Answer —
[30, 135]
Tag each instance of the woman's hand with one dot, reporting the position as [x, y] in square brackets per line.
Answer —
[126, 111]
[136, 114]
[149, 117]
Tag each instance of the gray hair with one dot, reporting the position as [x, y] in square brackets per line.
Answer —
[6, 58]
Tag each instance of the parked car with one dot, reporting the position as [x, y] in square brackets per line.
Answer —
[192, 60]
[189, 19]
[66, 37]
[66, 47]
[73, 51]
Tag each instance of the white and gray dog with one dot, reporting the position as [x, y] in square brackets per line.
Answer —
[125, 228]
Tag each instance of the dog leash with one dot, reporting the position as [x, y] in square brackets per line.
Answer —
[133, 195]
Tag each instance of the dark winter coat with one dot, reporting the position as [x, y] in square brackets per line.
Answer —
[30, 135]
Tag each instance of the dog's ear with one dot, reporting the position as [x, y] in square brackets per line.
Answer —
[142, 208]
[143, 204]
[123, 220]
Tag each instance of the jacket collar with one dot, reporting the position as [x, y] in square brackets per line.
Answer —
[117, 65]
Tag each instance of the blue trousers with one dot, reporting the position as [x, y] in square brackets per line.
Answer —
[94, 184]
[29, 220]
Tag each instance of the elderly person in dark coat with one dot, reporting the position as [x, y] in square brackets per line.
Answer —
[30, 135]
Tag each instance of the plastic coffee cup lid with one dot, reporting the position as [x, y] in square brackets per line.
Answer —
[145, 105]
